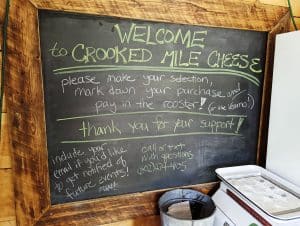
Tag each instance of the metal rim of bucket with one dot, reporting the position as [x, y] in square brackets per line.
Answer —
[178, 200]
[167, 203]
[191, 220]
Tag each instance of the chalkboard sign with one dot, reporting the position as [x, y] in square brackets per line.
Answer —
[136, 105]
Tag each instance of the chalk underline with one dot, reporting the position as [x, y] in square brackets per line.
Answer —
[207, 71]
[149, 137]
[149, 112]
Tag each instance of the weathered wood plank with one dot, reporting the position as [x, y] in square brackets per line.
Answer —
[141, 221]
[295, 4]
[2, 12]
[7, 205]
[8, 223]
[25, 106]
[225, 13]
[297, 20]
[112, 209]
[5, 143]
[274, 2]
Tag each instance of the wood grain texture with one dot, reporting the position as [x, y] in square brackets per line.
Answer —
[7, 205]
[297, 20]
[141, 221]
[2, 15]
[295, 4]
[223, 13]
[111, 209]
[5, 144]
[26, 110]
[275, 2]
[8, 223]
[26, 106]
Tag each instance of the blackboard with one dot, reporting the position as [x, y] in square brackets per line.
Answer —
[134, 105]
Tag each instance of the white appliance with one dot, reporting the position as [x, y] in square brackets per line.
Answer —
[251, 195]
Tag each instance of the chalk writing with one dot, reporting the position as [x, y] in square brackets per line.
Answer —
[167, 157]
[136, 105]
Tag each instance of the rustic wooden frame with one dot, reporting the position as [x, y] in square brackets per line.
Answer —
[26, 103]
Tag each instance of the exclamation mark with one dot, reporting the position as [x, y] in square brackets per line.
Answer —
[241, 120]
[202, 102]
[127, 171]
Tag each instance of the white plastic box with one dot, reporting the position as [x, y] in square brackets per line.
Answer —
[251, 195]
